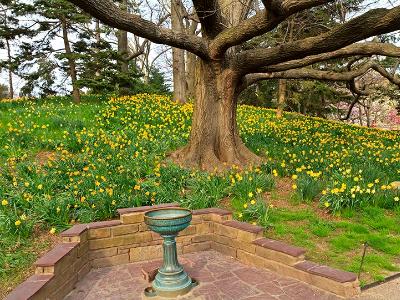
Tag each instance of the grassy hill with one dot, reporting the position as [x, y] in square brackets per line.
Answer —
[325, 185]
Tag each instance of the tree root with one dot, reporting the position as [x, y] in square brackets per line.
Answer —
[207, 160]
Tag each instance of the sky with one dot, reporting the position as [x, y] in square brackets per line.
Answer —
[18, 82]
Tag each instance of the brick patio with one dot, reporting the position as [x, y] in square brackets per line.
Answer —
[220, 277]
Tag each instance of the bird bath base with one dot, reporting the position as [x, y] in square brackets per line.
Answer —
[171, 279]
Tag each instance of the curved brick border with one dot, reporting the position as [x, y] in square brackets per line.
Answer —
[102, 244]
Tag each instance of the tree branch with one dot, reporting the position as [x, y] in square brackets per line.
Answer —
[111, 15]
[352, 104]
[363, 49]
[209, 14]
[262, 22]
[371, 23]
[308, 73]
[138, 52]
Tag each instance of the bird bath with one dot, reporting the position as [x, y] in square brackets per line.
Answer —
[171, 279]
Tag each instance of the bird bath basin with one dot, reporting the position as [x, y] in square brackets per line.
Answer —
[171, 279]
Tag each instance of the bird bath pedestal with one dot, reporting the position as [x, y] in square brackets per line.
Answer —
[171, 279]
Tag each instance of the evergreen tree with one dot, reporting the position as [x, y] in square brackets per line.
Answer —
[10, 29]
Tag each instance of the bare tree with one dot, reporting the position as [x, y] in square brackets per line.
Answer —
[225, 68]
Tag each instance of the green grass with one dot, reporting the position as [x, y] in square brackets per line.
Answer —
[339, 242]
[17, 259]
[112, 154]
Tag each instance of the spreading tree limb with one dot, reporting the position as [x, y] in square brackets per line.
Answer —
[110, 14]
[374, 22]
[359, 49]
[264, 21]
[308, 73]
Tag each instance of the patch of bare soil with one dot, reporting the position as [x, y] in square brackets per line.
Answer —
[43, 157]
[281, 196]
[225, 203]
[282, 193]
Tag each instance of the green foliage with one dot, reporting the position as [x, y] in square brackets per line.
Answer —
[257, 213]
[308, 188]
[61, 165]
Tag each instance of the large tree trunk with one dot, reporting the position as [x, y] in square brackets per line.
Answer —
[178, 55]
[10, 74]
[76, 94]
[214, 140]
[281, 97]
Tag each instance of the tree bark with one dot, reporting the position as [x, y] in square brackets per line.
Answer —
[10, 74]
[281, 97]
[123, 52]
[190, 71]
[178, 55]
[76, 94]
[214, 141]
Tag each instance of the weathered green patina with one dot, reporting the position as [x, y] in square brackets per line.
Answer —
[171, 279]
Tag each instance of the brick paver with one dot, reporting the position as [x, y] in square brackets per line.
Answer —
[220, 278]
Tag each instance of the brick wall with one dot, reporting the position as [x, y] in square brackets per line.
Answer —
[108, 243]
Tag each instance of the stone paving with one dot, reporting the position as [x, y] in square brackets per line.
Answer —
[386, 291]
[220, 278]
